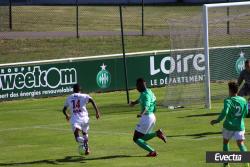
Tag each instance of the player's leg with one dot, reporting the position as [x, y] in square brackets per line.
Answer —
[241, 145]
[78, 138]
[85, 143]
[226, 149]
[140, 134]
[227, 135]
[137, 138]
[149, 136]
[240, 137]
[159, 133]
[149, 132]
[225, 145]
[85, 136]
[76, 127]
[85, 128]
[242, 148]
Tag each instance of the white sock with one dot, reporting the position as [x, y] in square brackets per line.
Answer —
[80, 140]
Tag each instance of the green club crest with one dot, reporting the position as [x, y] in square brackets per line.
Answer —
[240, 63]
[103, 78]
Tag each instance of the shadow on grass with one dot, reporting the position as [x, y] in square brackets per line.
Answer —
[200, 135]
[200, 115]
[196, 135]
[67, 159]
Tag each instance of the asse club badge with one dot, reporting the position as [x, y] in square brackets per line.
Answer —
[103, 78]
[240, 63]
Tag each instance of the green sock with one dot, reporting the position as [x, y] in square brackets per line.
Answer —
[243, 148]
[149, 136]
[144, 145]
[225, 147]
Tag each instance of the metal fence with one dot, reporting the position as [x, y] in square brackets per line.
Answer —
[48, 32]
[68, 21]
[65, 21]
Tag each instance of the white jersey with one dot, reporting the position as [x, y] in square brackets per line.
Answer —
[77, 104]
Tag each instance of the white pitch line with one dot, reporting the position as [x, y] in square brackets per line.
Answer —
[98, 132]
[58, 124]
[31, 127]
[103, 132]
[124, 133]
[116, 118]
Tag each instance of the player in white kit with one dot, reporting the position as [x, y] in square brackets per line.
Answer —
[78, 117]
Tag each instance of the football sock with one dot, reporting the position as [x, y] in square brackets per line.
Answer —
[149, 136]
[225, 147]
[144, 145]
[80, 140]
[85, 137]
[242, 147]
[86, 141]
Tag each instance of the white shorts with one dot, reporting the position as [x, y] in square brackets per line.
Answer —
[83, 125]
[146, 124]
[237, 135]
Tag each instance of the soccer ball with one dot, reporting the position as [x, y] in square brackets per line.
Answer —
[81, 149]
[171, 107]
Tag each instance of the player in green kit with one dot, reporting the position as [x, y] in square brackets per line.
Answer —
[143, 131]
[234, 111]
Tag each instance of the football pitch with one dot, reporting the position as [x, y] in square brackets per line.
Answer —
[35, 133]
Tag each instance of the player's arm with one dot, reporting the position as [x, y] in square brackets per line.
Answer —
[142, 113]
[246, 111]
[66, 104]
[97, 112]
[133, 103]
[145, 104]
[241, 78]
[222, 114]
[65, 113]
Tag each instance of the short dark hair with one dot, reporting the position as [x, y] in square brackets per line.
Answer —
[247, 61]
[233, 86]
[140, 80]
[76, 88]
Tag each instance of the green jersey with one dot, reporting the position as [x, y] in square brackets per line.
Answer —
[235, 110]
[147, 100]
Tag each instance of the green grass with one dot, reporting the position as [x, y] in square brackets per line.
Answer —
[34, 133]
[43, 49]
[92, 18]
